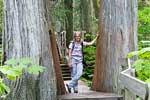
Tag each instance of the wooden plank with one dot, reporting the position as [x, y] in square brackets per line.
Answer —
[86, 94]
[129, 71]
[129, 95]
[134, 85]
[92, 95]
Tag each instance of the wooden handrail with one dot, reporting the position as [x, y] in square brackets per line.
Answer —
[134, 86]
[61, 42]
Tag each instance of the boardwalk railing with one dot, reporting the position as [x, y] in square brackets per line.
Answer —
[1, 48]
[132, 86]
[61, 42]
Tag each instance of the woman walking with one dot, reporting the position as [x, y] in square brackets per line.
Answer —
[75, 60]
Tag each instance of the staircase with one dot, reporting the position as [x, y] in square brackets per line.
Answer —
[66, 71]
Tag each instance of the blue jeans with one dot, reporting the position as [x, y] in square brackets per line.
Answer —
[76, 73]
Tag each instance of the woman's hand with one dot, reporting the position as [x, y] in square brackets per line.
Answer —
[69, 60]
[97, 34]
[70, 63]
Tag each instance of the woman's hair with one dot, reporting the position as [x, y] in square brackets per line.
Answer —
[74, 34]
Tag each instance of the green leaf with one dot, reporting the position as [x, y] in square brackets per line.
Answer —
[25, 61]
[146, 68]
[3, 89]
[19, 68]
[10, 72]
[148, 80]
[143, 53]
[138, 64]
[10, 77]
[131, 54]
[35, 69]
[11, 62]
[14, 68]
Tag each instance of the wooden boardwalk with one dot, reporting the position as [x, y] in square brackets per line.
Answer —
[86, 94]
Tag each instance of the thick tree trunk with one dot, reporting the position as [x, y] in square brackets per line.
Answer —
[117, 29]
[69, 20]
[26, 24]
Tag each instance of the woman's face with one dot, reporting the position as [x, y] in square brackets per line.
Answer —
[77, 37]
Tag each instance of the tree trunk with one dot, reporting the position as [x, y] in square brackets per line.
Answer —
[117, 29]
[69, 20]
[26, 25]
[60, 82]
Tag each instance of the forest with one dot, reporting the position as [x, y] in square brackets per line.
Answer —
[35, 36]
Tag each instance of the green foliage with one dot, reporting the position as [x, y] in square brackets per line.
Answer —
[142, 54]
[3, 89]
[142, 65]
[142, 4]
[33, 69]
[89, 56]
[143, 22]
[77, 15]
[143, 25]
[1, 13]
[143, 44]
[94, 24]
[14, 68]
[59, 15]
[59, 12]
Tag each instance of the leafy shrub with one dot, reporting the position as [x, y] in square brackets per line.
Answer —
[89, 56]
[143, 44]
[142, 64]
[13, 69]
[144, 23]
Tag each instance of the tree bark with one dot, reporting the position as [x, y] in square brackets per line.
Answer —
[117, 30]
[26, 25]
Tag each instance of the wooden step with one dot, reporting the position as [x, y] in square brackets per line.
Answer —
[66, 74]
[65, 68]
[64, 65]
[66, 71]
[90, 96]
[67, 78]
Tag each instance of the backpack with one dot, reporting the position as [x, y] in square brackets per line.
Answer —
[85, 65]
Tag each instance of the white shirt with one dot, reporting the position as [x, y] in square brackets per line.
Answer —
[77, 50]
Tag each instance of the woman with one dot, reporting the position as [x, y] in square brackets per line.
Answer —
[75, 60]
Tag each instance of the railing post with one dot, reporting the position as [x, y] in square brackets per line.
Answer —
[129, 95]
[61, 42]
[148, 91]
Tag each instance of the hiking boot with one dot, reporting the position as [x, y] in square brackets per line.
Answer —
[68, 88]
[75, 91]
